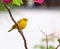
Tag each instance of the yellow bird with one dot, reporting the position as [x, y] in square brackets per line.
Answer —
[22, 24]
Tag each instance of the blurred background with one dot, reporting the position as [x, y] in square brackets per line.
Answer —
[38, 3]
[45, 16]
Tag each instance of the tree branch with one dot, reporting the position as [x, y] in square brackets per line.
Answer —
[46, 38]
[21, 32]
[46, 42]
[57, 46]
[43, 32]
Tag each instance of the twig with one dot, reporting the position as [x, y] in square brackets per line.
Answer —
[58, 34]
[21, 32]
[46, 42]
[43, 32]
[46, 39]
[51, 34]
[57, 46]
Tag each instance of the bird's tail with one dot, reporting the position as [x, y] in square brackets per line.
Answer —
[10, 29]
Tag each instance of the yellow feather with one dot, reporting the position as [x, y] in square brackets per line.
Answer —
[22, 24]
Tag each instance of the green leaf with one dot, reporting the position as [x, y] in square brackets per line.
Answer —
[17, 2]
[36, 46]
[39, 46]
[2, 8]
[59, 40]
[52, 39]
[43, 39]
[51, 47]
[42, 47]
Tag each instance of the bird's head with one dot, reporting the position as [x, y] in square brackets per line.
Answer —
[25, 19]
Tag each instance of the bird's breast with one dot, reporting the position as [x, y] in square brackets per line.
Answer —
[22, 25]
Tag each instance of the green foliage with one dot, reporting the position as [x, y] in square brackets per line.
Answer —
[39, 46]
[59, 40]
[1, 6]
[51, 47]
[36, 46]
[42, 47]
[52, 39]
[17, 2]
[43, 39]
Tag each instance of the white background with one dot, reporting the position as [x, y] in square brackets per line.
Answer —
[47, 20]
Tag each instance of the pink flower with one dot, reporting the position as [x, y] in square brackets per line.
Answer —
[39, 1]
[6, 1]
